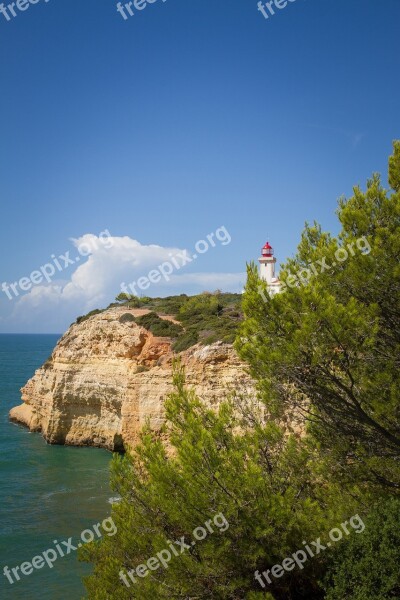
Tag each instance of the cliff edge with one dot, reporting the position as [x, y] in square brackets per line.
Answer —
[107, 376]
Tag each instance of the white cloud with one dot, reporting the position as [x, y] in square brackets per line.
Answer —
[109, 261]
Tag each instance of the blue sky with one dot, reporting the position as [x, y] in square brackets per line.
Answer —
[189, 116]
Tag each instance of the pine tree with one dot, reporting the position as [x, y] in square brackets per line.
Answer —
[254, 478]
[329, 344]
[327, 350]
[366, 567]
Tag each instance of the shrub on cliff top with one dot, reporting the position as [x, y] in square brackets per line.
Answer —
[83, 318]
[205, 318]
[127, 318]
[185, 341]
[159, 327]
[209, 318]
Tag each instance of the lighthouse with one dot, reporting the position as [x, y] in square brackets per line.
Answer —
[267, 262]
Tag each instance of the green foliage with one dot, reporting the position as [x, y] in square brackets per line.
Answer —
[328, 349]
[366, 566]
[134, 302]
[83, 318]
[160, 327]
[169, 305]
[394, 171]
[262, 483]
[332, 347]
[208, 318]
[127, 318]
[185, 341]
[200, 307]
[129, 300]
[122, 297]
[205, 318]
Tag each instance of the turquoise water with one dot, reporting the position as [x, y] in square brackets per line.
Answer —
[47, 492]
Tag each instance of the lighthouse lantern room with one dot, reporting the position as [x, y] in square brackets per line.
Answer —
[267, 250]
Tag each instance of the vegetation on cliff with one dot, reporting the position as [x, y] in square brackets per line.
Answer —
[262, 482]
[205, 318]
[329, 349]
[367, 566]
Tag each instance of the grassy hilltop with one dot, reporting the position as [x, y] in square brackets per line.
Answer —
[204, 318]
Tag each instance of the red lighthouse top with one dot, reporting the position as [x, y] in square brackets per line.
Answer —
[267, 250]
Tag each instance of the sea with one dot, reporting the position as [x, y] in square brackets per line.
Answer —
[47, 493]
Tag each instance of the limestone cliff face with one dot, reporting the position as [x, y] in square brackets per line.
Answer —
[107, 376]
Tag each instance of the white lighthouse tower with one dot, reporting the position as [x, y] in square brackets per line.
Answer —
[267, 262]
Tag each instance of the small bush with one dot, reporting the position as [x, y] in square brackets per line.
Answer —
[127, 318]
[185, 341]
[96, 311]
[128, 300]
[199, 307]
[134, 303]
[366, 566]
[159, 327]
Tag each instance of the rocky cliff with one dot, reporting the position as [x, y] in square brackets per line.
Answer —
[107, 376]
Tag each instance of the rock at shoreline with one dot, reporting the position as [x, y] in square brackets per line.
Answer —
[107, 376]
